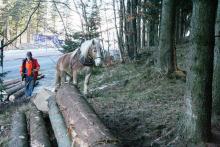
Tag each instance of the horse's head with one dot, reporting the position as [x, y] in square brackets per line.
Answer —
[93, 51]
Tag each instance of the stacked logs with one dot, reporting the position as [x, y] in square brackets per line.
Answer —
[13, 89]
[73, 120]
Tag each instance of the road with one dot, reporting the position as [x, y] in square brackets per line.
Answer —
[47, 59]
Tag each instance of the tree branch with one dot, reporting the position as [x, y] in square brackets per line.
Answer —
[29, 20]
[60, 17]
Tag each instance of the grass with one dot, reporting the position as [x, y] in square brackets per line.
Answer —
[142, 106]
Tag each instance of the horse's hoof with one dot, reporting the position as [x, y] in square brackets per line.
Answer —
[88, 95]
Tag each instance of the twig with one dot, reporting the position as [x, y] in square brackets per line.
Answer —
[161, 137]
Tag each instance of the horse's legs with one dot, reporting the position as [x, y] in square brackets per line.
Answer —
[63, 77]
[71, 80]
[58, 80]
[74, 78]
[86, 82]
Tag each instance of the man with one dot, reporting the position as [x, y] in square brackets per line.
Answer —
[29, 72]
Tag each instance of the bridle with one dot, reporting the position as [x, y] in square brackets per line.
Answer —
[88, 61]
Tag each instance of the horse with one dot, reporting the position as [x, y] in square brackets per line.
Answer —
[83, 58]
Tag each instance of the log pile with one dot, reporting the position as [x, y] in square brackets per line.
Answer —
[73, 120]
[15, 88]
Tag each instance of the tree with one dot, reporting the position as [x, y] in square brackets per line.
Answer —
[166, 42]
[216, 76]
[94, 21]
[199, 73]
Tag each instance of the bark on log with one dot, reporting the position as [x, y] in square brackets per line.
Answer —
[13, 90]
[19, 136]
[10, 82]
[17, 94]
[12, 85]
[84, 125]
[58, 124]
[38, 131]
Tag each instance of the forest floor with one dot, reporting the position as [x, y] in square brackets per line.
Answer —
[140, 105]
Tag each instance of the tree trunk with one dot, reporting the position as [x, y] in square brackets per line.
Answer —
[82, 122]
[120, 41]
[138, 27]
[166, 42]
[199, 76]
[38, 131]
[58, 124]
[121, 26]
[216, 76]
[19, 133]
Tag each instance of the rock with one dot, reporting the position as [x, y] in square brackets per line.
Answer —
[41, 100]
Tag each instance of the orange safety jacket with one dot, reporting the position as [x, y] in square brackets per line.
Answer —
[30, 68]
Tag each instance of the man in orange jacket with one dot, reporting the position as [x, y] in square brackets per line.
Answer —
[29, 72]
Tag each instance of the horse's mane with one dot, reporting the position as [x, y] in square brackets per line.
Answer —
[86, 45]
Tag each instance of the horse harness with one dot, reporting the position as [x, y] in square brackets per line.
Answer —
[89, 61]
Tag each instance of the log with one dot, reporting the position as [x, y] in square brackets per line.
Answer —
[13, 85]
[38, 131]
[17, 94]
[12, 90]
[19, 133]
[58, 124]
[84, 126]
[10, 82]
[41, 100]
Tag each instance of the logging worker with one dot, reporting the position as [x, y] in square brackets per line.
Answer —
[29, 72]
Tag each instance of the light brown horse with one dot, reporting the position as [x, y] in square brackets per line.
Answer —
[83, 58]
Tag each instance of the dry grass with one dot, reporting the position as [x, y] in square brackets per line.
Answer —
[140, 105]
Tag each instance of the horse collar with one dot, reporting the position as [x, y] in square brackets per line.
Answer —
[88, 61]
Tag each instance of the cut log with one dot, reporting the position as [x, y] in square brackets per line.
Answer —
[17, 94]
[12, 85]
[38, 131]
[41, 100]
[58, 124]
[84, 126]
[10, 82]
[19, 133]
[12, 90]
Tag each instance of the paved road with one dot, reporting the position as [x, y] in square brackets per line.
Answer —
[46, 58]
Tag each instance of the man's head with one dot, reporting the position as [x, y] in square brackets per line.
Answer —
[29, 55]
